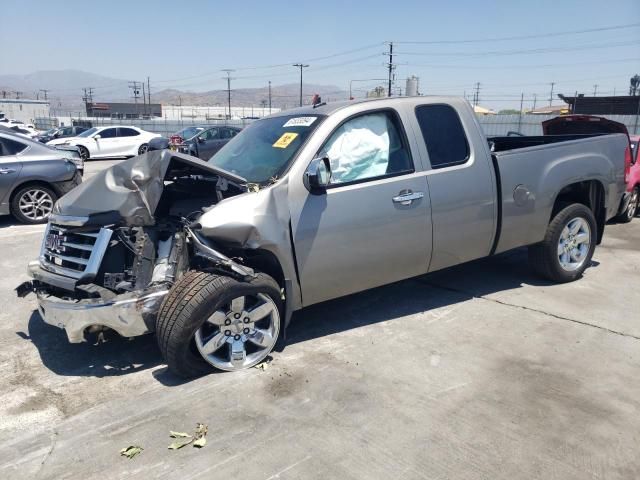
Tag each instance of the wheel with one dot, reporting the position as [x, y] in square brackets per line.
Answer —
[632, 208]
[33, 204]
[84, 152]
[209, 320]
[143, 148]
[568, 245]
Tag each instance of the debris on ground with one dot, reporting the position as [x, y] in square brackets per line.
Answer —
[198, 439]
[264, 365]
[131, 451]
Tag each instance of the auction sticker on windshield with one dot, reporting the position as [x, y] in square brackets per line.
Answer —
[300, 122]
[285, 140]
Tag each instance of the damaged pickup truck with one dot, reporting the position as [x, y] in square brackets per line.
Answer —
[310, 205]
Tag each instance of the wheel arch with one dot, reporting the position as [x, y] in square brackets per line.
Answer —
[590, 193]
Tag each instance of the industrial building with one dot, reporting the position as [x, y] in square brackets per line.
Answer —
[123, 110]
[24, 110]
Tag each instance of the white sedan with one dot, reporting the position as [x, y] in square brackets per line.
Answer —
[111, 141]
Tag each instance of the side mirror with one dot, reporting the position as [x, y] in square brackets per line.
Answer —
[97, 137]
[318, 175]
[200, 140]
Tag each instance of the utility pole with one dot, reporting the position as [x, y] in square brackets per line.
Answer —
[390, 67]
[595, 89]
[300, 66]
[476, 95]
[551, 94]
[520, 116]
[45, 91]
[144, 100]
[17, 94]
[535, 99]
[149, 93]
[269, 97]
[135, 87]
[228, 77]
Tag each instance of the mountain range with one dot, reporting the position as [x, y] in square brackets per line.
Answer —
[65, 91]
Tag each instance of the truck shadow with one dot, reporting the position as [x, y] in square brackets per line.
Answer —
[121, 356]
[116, 356]
[509, 271]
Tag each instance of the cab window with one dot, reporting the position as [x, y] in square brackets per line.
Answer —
[443, 135]
[367, 146]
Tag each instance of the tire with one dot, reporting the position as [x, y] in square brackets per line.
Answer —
[198, 315]
[142, 149]
[84, 152]
[632, 209]
[32, 204]
[548, 259]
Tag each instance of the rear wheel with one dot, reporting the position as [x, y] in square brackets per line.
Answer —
[212, 321]
[568, 246]
[33, 204]
[632, 208]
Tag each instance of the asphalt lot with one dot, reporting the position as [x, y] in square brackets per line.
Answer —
[481, 371]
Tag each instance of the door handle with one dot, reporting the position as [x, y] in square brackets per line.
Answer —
[407, 196]
[4, 171]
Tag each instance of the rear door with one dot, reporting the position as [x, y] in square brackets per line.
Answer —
[129, 140]
[461, 184]
[10, 167]
[371, 227]
[209, 142]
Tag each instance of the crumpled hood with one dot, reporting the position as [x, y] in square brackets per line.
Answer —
[129, 192]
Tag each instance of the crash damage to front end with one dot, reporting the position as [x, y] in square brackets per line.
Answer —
[115, 245]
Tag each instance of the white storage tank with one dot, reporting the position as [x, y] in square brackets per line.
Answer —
[412, 86]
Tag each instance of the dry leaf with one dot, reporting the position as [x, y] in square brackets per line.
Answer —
[173, 434]
[131, 451]
[201, 442]
[178, 445]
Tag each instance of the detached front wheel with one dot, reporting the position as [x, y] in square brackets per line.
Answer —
[568, 246]
[212, 321]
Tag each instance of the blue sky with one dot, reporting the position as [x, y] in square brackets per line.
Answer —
[186, 44]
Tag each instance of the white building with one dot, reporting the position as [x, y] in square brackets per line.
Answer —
[186, 112]
[24, 110]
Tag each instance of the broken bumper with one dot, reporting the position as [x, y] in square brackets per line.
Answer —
[130, 314]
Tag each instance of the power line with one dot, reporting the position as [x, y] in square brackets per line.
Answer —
[523, 37]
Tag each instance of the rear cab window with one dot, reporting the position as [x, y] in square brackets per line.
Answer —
[443, 134]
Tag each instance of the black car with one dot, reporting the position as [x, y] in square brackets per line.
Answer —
[200, 141]
[60, 132]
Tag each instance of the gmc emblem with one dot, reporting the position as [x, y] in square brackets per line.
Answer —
[54, 242]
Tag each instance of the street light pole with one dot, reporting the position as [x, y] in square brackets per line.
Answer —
[300, 66]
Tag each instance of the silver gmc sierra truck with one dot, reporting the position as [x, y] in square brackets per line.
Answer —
[308, 205]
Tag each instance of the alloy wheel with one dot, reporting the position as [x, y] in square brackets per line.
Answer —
[240, 334]
[574, 244]
[632, 209]
[35, 204]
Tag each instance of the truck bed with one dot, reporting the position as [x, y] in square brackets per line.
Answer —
[530, 170]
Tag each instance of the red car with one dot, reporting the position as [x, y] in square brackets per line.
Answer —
[590, 124]
[633, 180]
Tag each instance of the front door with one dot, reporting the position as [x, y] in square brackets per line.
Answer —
[209, 142]
[107, 144]
[372, 226]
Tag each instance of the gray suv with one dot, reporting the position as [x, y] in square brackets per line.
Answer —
[33, 176]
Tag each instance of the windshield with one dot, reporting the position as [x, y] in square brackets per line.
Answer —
[264, 149]
[190, 132]
[88, 133]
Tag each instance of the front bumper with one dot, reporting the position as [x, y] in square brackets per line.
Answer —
[130, 314]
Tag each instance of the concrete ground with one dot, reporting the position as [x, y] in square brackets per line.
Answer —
[478, 372]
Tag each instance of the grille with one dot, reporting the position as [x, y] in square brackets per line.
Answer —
[72, 252]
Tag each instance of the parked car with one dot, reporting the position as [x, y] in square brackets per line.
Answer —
[25, 130]
[111, 141]
[60, 132]
[633, 182]
[309, 205]
[33, 176]
[199, 141]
